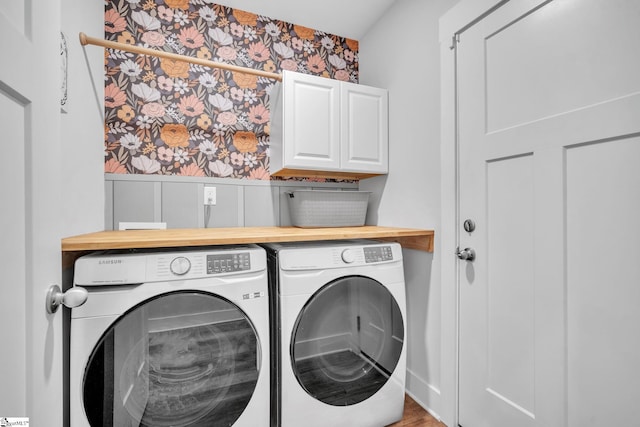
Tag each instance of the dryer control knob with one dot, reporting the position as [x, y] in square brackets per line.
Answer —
[180, 266]
[348, 256]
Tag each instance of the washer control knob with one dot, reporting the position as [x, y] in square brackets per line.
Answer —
[348, 256]
[180, 266]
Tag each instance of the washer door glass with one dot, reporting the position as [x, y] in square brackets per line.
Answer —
[347, 341]
[180, 359]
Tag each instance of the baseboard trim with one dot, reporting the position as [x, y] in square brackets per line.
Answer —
[424, 394]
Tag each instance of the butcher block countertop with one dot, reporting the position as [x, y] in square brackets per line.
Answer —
[132, 239]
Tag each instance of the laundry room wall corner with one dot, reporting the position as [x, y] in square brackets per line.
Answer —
[423, 331]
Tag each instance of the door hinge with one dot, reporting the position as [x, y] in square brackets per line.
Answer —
[454, 41]
[358, 323]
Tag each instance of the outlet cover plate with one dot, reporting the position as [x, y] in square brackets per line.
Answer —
[209, 195]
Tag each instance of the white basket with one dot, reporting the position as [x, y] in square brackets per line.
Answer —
[325, 208]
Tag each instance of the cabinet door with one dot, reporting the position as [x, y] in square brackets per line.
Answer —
[311, 122]
[365, 137]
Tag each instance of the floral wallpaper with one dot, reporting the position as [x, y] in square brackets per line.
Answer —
[174, 118]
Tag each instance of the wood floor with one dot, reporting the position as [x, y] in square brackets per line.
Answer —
[416, 416]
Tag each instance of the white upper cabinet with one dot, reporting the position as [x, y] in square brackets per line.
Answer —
[364, 128]
[325, 127]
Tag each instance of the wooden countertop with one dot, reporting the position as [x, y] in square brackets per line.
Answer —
[130, 239]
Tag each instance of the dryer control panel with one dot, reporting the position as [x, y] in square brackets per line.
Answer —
[336, 255]
[377, 254]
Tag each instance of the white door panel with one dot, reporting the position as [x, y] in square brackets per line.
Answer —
[560, 57]
[12, 254]
[13, 14]
[31, 369]
[548, 112]
[510, 281]
[603, 204]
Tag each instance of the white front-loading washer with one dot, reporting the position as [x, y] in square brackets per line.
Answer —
[338, 311]
[171, 338]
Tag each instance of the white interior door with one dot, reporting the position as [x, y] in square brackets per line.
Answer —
[549, 145]
[31, 368]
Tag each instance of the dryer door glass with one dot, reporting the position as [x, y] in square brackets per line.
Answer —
[180, 359]
[347, 341]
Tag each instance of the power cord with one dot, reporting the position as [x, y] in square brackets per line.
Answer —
[207, 215]
[209, 200]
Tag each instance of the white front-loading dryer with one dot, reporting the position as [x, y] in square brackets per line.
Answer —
[338, 311]
[171, 338]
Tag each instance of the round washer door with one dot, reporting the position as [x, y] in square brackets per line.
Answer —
[347, 341]
[179, 359]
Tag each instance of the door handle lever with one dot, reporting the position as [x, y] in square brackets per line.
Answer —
[467, 254]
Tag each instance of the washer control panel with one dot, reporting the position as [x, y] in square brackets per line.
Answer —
[377, 254]
[104, 269]
[228, 263]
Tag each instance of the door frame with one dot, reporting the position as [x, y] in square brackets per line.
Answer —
[464, 14]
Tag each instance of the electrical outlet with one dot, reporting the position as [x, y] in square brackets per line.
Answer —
[209, 195]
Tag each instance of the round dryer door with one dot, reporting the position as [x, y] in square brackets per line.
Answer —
[180, 359]
[347, 341]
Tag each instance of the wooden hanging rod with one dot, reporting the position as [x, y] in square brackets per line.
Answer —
[85, 40]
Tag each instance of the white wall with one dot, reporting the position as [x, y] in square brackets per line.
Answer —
[82, 127]
[402, 53]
